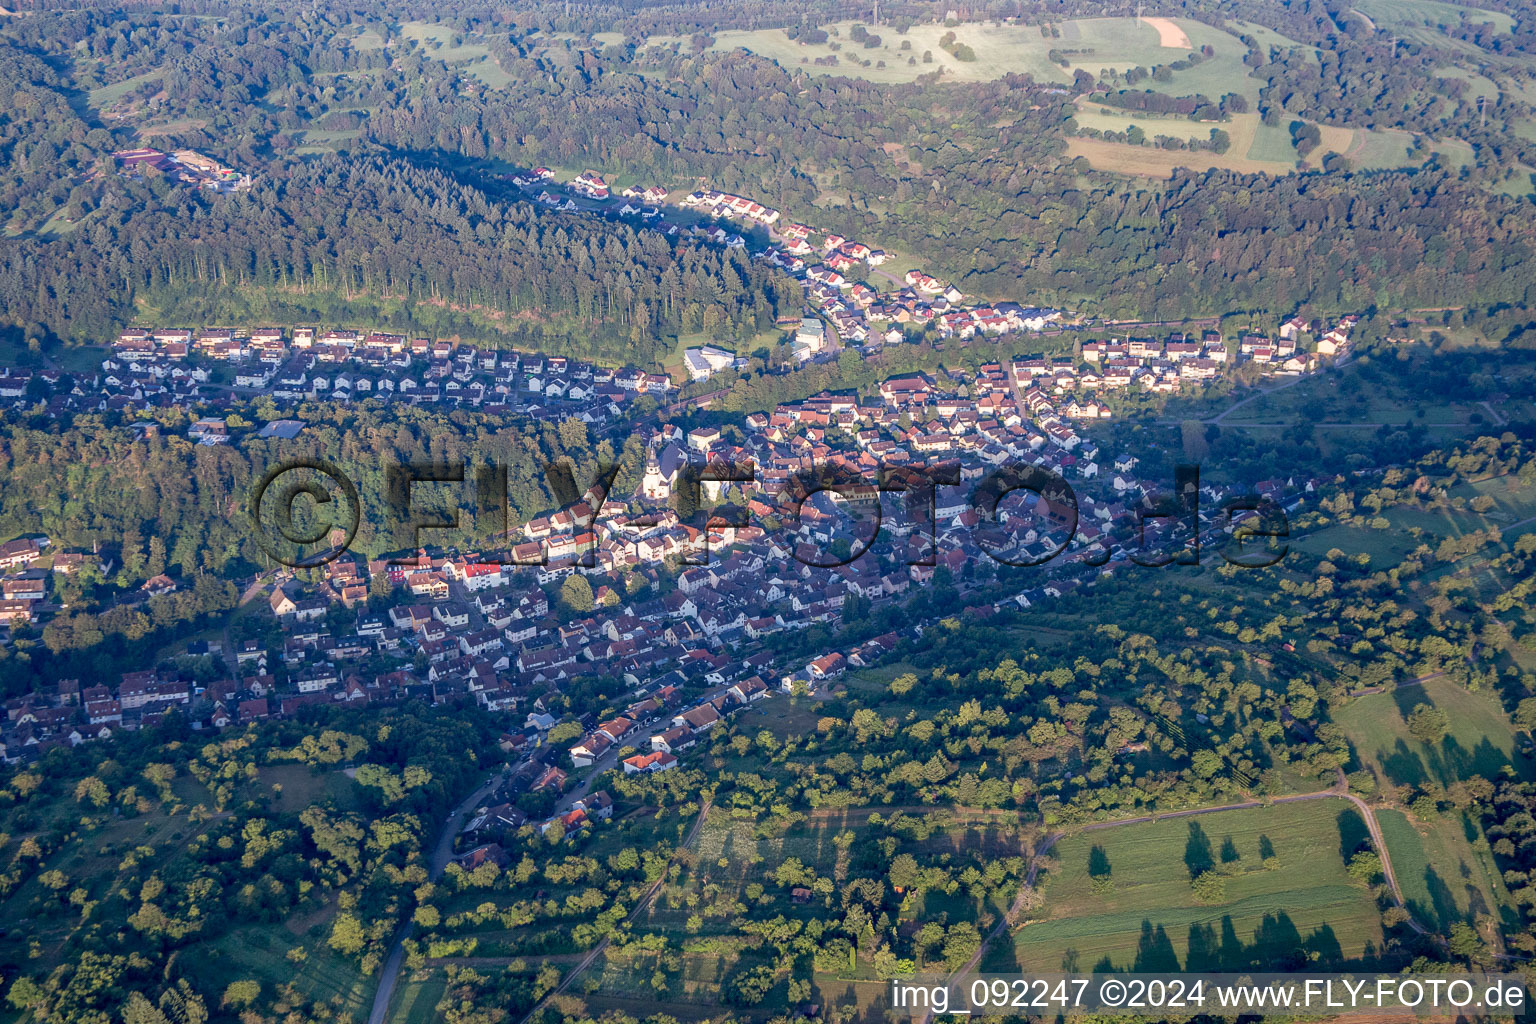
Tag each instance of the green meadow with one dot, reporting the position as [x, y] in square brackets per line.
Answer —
[1286, 888]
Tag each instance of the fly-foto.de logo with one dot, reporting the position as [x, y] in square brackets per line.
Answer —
[307, 512]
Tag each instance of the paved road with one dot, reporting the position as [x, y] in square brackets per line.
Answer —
[645, 901]
[442, 853]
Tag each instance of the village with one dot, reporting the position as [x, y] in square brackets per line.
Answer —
[480, 625]
[482, 621]
[203, 369]
[160, 368]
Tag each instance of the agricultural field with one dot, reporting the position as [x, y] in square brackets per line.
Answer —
[1445, 878]
[1479, 740]
[1285, 885]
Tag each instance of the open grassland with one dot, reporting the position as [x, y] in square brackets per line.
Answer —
[296, 786]
[1264, 36]
[316, 140]
[414, 1001]
[1477, 85]
[1152, 921]
[1426, 19]
[1256, 148]
[176, 127]
[1411, 526]
[1092, 44]
[438, 41]
[1148, 162]
[106, 95]
[1479, 741]
[1378, 150]
[260, 953]
[1443, 878]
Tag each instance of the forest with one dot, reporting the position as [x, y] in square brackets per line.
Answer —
[335, 239]
[417, 216]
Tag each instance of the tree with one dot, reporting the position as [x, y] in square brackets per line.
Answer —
[1364, 867]
[1209, 887]
[960, 944]
[1465, 943]
[25, 994]
[563, 732]
[241, 993]
[1427, 724]
[347, 936]
[904, 872]
[93, 790]
[138, 1010]
[576, 592]
[1206, 763]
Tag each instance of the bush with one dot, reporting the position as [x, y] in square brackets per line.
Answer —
[1209, 887]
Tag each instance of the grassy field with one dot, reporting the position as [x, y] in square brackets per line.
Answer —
[315, 140]
[1151, 920]
[414, 1001]
[437, 41]
[1369, 150]
[1116, 43]
[1145, 161]
[1265, 37]
[176, 127]
[107, 95]
[1477, 85]
[1444, 880]
[1424, 19]
[1410, 526]
[1480, 740]
[259, 952]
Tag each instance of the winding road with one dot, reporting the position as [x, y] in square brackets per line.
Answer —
[442, 853]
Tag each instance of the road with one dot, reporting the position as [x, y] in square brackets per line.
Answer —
[645, 901]
[442, 853]
[1261, 392]
[1048, 842]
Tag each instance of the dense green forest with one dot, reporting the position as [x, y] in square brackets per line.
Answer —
[334, 240]
[417, 231]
